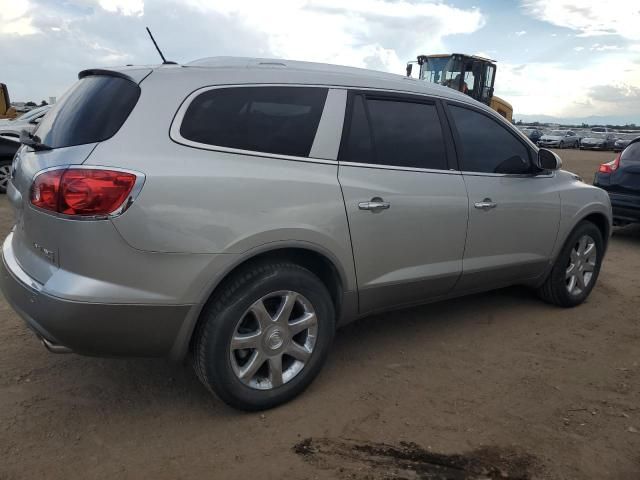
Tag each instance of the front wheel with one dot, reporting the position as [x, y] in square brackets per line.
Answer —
[576, 270]
[265, 336]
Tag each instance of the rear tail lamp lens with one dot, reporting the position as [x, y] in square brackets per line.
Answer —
[610, 167]
[82, 191]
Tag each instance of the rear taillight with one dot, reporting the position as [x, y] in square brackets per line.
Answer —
[610, 167]
[82, 191]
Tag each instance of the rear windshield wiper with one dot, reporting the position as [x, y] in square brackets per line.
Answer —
[32, 141]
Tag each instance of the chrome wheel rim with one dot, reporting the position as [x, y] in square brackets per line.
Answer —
[581, 265]
[5, 174]
[274, 340]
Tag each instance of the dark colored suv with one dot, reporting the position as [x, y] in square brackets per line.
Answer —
[621, 179]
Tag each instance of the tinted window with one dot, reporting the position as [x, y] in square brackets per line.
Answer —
[400, 133]
[631, 154]
[280, 120]
[358, 146]
[487, 146]
[93, 110]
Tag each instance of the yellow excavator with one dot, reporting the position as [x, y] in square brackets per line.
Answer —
[6, 110]
[469, 74]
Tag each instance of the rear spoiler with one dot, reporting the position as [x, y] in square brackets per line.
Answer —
[102, 71]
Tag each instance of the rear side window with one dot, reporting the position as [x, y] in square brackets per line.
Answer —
[395, 132]
[280, 120]
[631, 154]
[93, 110]
[487, 146]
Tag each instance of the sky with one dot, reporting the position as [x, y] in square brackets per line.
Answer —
[562, 58]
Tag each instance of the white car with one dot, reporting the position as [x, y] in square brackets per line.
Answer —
[29, 121]
[559, 139]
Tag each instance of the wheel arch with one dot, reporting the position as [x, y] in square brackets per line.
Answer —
[307, 255]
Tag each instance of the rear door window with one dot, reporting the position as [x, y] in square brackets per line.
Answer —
[395, 132]
[279, 120]
[93, 110]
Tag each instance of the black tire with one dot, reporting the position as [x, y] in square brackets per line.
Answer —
[5, 173]
[211, 346]
[561, 146]
[555, 290]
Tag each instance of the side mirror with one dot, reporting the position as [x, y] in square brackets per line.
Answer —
[547, 160]
[409, 69]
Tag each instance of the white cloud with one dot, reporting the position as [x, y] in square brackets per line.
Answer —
[578, 49]
[14, 18]
[589, 17]
[521, 33]
[124, 7]
[380, 34]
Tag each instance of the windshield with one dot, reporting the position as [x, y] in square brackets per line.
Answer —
[557, 133]
[31, 114]
[441, 70]
[597, 135]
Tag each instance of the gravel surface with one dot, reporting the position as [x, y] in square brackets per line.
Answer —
[497, 385]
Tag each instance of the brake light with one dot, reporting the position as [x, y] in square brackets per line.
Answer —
[610, 167]
[82, 191]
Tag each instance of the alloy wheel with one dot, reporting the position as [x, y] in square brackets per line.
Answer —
[581, 265]
[5, 175]
[274, 340]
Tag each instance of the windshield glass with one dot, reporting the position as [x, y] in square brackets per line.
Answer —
[557, 133]
[31, 114]
[600, 136]
[444, 71]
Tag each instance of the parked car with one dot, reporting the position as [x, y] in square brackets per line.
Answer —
[8, 148]
[559, 139]
[622, 143]
[29, 121]
[266, 215]
[533, 134]
[621, 179]
[598, 141]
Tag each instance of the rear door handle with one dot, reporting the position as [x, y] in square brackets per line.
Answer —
[486, 204]
[376, 204]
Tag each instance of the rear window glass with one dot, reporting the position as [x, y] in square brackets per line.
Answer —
[280, 120]
[631, 153]
[93, 110]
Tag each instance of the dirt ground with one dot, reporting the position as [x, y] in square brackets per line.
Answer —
[497, 385]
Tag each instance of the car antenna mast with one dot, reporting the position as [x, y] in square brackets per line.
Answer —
[164, 60]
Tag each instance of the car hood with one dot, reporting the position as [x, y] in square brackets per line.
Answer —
[593, 140]
[550, 137]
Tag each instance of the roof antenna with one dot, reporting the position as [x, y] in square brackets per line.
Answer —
[164, 60]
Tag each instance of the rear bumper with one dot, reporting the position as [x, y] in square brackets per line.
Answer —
[104, 329]
[626, 208]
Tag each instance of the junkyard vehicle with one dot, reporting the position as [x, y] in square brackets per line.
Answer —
[622, 143]
[598, 141]
[29, 122]
[239, 210]
[8, 148]
[533, 134]
[6, 110]
[472, 75]
[621, 179]
[559, 139]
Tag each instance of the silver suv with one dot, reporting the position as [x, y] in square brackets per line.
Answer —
[237, 211]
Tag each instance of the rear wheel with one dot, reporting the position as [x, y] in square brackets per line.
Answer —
[5, 175]
[265, 336]
[576, 270]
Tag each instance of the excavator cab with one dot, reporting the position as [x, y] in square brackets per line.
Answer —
[471, 75]
[6, 110]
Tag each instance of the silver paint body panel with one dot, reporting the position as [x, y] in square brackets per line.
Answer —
[204, 210]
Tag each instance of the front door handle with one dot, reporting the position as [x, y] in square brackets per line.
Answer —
[486, 204]
[376, 204]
